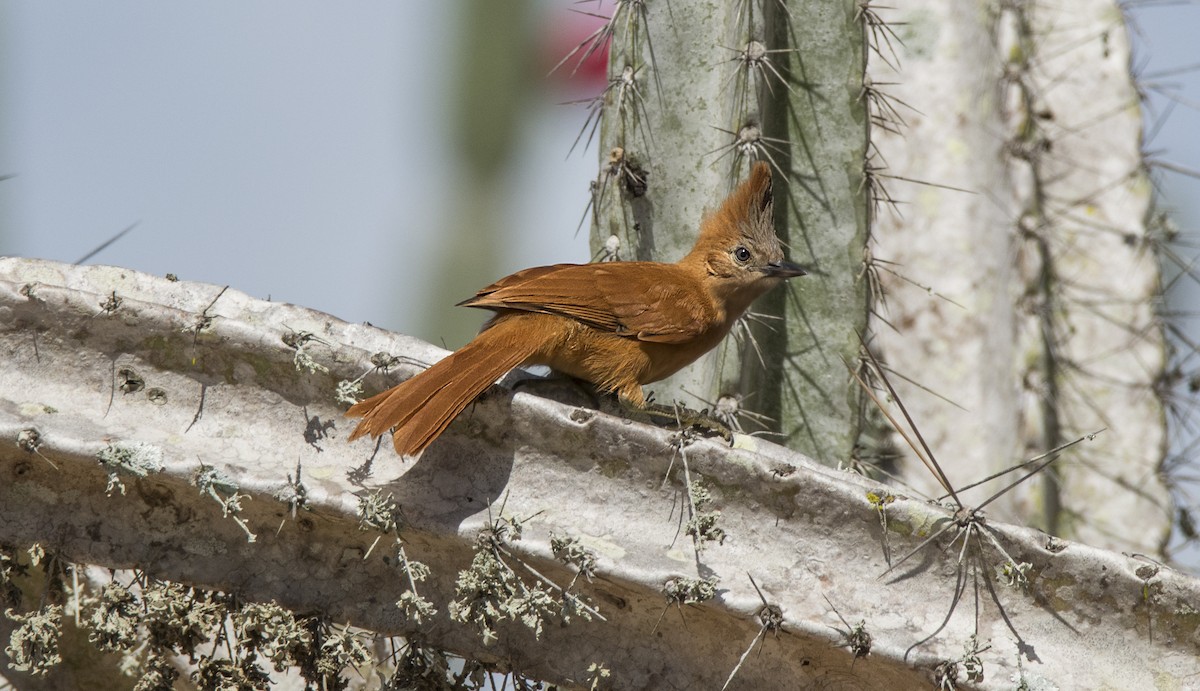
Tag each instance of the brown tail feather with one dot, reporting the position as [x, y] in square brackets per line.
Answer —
[422, 407]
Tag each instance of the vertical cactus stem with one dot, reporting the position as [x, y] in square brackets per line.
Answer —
[823, 217]
[791, 96]
[1093, 343]
[941, 256]
[1039, 117]
[618, 207]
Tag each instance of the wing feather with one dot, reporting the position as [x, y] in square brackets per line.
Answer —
[648, 301]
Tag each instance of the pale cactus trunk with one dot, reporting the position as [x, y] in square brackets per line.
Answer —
[1031, 107]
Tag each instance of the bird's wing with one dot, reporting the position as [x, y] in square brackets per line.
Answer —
[644, 300]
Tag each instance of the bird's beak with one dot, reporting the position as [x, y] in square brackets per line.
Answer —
[784, 270]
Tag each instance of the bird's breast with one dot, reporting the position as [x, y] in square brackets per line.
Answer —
[611, 361]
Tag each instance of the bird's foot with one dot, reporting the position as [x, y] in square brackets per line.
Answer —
[686, 419]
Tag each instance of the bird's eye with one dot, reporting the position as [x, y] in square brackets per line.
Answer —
[741, 254]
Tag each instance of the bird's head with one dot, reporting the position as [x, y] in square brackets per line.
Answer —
[738, 249]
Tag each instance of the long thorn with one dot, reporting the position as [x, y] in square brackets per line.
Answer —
[939, 473]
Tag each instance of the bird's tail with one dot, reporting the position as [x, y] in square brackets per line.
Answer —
[422, 407]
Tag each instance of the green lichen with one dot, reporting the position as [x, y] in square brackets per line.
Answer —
[416, 608]
[614, 467]
[33, 645]
[685, 591]
[702, 526]
[274, 632]
[113, 623]
[569, 550]
[212, 482]
[490, 591]
[137, 459]
[380, 512]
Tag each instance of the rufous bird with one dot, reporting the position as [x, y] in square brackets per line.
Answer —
[618, 325]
